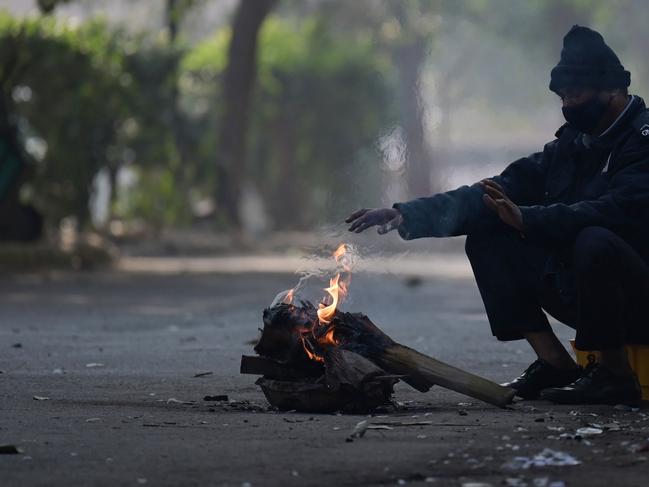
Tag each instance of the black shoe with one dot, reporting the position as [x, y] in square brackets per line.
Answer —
[541, 375]
[598, 385]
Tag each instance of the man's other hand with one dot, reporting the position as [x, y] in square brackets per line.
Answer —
[387, 219]
[496, 199]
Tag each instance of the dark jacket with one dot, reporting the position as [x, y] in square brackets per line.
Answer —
[577, 181]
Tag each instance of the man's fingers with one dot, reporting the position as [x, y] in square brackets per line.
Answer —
[493, 192]
[509, 204]
[356, 214]
[494, 189]
[490, 202]
[493, 184]
[363, 226]
[357, 223]
[496, 204]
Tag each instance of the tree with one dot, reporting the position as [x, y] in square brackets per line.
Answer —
[322, 101]
[405, 30]
[47, 7]
[238, 82]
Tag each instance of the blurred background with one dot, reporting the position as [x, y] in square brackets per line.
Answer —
[201, 127]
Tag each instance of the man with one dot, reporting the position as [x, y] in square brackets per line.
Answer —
[565, 230]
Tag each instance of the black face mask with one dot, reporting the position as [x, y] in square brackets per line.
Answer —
[586, 116]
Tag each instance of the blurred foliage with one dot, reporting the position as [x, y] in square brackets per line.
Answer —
[68, 92]
[321, 102]
[90, 98]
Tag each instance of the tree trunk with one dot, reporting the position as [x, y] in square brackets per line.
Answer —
[239, 78]
[287, 182]
[409, 58]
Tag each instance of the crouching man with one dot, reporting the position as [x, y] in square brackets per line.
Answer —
[565, 230]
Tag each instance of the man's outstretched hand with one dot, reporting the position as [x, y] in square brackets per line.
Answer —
[496, 199]
[387, 219]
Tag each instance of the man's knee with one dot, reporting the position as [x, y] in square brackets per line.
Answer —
[593, 247]
[488, 244]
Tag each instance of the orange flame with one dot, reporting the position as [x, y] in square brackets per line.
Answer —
[329, 338]
[288, 299]
[326, 313]
[336, 291]
[309, 352]
[340, 252]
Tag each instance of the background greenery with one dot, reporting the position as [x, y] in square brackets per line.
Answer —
[340, 86]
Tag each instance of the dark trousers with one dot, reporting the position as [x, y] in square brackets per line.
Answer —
[603, 292]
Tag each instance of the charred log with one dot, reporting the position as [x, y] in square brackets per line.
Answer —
[293, 336]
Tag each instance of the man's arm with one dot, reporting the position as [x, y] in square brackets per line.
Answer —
[464, 211]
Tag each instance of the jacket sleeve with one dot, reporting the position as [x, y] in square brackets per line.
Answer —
[623, 207]
[462, 211]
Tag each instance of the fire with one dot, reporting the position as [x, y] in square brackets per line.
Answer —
[337, 289]
[326, 313]
[288, 299]
[340, 252]
[322, 333]
[308, 348]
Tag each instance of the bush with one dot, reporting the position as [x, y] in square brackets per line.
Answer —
[320, 105]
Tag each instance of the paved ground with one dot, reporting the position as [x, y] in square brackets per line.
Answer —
[139, 418]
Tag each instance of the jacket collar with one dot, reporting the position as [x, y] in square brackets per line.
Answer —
[611, 135]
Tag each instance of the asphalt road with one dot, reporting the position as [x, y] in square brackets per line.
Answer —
[113, 356]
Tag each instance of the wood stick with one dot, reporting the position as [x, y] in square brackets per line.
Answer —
[422, 369]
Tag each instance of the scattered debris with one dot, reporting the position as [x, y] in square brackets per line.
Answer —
[218, 397]
[589, 431]
[413, 281]
[641, 448]
[614, 426]
[40, 398]
[418, 423]
[624, 407]
[9, 450]
[203, 374]
[547, 458]
[359, 430]
[94, 365]
[173, 400]
[404, 423]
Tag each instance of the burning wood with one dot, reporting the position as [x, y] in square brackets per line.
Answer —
[322, 359]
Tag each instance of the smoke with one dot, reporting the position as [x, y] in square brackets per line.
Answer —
[318, 267]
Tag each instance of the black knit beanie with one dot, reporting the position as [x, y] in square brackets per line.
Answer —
[586, 61]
